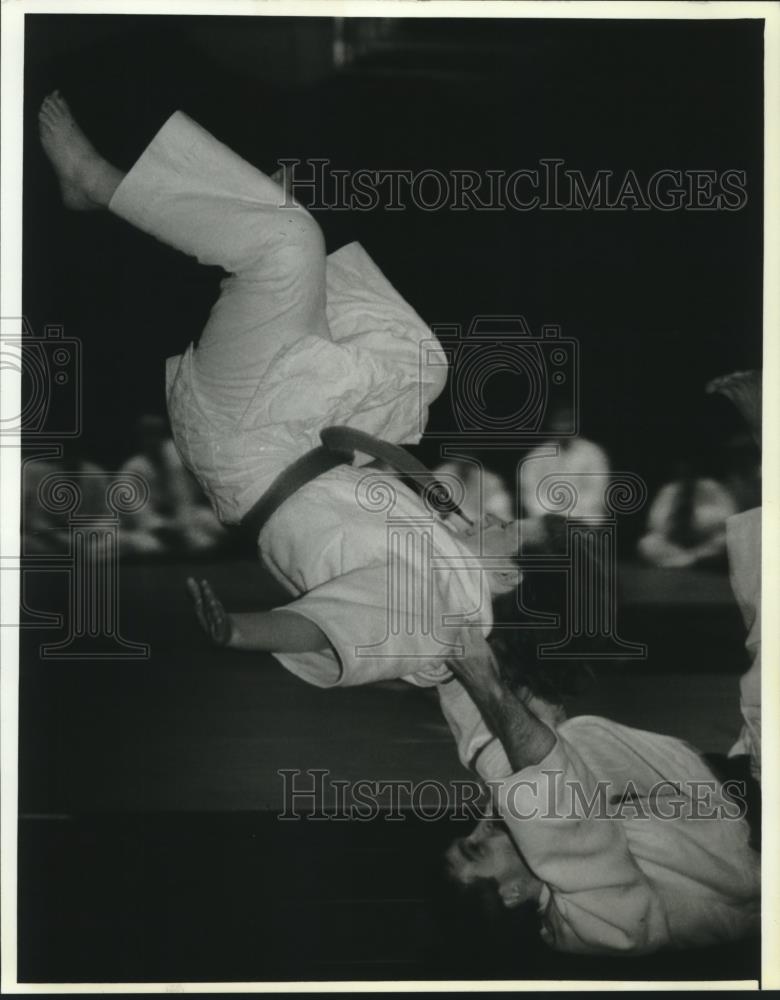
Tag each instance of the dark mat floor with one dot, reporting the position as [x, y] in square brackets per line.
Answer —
[149, 845]
[188, 898]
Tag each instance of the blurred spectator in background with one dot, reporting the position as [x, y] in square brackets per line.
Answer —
[176, 519]
[484, 492]
[743, 530]
[584, 464]
[43, 481]
[686, 524]
[43, 531]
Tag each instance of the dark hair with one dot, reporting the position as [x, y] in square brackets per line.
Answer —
[517, 640]
[474, 921]
[479, 893]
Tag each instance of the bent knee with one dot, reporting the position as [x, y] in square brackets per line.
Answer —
[285, 241]
[302, 251]
[301, 233]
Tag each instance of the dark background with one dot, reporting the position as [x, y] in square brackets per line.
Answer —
[149, 847]
[660, 301]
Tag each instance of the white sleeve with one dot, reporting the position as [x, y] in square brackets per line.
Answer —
[597, 899]
[743, 535]
[372, 642]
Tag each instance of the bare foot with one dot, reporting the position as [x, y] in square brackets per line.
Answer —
[87, 181]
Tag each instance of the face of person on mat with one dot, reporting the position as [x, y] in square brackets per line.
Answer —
[488, 853]
[494, 537]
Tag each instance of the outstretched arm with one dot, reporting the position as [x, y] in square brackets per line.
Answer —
[263, 631]
[525, 739]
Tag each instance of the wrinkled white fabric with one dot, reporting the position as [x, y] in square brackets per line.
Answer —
[293, 344]
[634, 881]
[381, 584]
[297, 342]
[743, 540]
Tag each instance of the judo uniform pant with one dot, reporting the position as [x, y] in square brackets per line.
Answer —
[206, 201]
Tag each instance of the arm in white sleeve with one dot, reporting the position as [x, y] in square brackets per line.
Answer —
[599, 899]
[360, 625]
[744, 548]
[596, 898]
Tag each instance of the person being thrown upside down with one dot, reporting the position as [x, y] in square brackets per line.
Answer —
[297, 341]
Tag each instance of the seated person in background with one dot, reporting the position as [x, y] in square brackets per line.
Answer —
[43, 530]
[484, 491]
[686, 523]
[624, 840]
[45, 524]
[582, 460]
[743, 537]
[176, 517]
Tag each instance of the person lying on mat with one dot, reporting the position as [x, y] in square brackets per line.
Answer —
[624, 840]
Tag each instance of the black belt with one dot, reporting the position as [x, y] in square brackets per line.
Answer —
[338, 447]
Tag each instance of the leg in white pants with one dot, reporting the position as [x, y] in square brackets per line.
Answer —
[294, 343]
[195, 194]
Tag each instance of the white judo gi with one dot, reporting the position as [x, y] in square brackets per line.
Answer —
[297, 342]
[743, 540]
[583, 460]
[635, 881]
